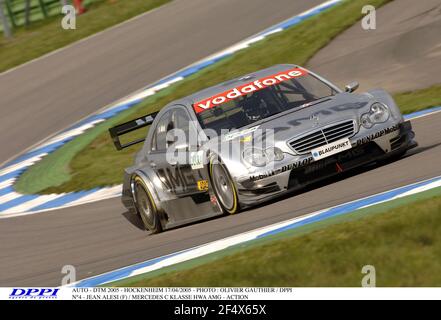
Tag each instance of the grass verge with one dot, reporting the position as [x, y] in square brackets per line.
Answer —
[75, 167]
[333, 256]
[420, 99]
[47, 35]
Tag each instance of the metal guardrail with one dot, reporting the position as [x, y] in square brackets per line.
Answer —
[17, 13]
[4, 24]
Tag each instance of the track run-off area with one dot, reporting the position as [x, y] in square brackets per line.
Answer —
[99, 237]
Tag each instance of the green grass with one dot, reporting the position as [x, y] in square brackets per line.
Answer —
[47, 35]
[418, 100]
[75, 167]
[403, 255]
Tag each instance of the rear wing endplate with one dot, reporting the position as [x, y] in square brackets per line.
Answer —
[130, 126]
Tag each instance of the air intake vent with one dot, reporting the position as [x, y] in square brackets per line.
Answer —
[323, 136]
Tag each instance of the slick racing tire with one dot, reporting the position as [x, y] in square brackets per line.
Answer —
[223, 187]
[145, 206]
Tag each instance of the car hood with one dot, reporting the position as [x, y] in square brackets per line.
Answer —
[337, 108]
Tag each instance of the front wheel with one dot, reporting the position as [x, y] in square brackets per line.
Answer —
[224, 187]
[146, 207]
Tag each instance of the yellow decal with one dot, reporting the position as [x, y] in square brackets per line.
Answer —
[203, 185]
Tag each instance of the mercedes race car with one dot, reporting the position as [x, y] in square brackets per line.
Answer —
[252, 139]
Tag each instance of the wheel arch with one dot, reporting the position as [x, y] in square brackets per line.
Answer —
[211, 157]
[152, 193]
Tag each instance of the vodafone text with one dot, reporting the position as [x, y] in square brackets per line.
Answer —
[248, 88]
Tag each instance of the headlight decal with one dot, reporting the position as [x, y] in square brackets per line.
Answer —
[260, 158]
[379, 113]
[255, 157]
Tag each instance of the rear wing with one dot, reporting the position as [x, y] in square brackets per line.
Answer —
[130, 126]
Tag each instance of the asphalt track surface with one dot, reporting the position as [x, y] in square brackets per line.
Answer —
[100, 237]
[403, 53]
[49, 94]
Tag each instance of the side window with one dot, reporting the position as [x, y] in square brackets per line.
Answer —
[159, 137]
[181, 121]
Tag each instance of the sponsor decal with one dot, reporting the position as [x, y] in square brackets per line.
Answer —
[143, 121]
[283, 169]
[263, 175]
[34, 293]
[180, 178]
[341, 157]
[203, 185]
[247, 89]
[298, 164]
[197, 160]
[331, 149]
[317, 166]
[213, 199]
[234, 135]
[378, 134]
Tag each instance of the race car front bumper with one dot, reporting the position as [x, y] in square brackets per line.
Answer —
[367, 147]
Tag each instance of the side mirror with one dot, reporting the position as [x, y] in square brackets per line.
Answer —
[351, 87]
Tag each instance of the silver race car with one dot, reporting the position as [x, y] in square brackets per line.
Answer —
[252, 139]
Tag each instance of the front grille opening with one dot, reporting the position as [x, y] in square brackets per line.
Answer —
[323, 136]
[397, 142]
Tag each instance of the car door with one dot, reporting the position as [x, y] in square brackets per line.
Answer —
[189, 162]
[176, 175]
[157, 160]
[182, 181]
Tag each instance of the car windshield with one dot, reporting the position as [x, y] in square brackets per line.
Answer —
[245, 109]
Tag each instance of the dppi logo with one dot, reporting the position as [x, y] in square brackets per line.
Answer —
[34, 293]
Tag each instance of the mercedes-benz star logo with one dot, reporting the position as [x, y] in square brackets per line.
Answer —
[315, 120]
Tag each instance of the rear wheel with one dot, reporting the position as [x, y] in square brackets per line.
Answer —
[224, 187]
[146, 207]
